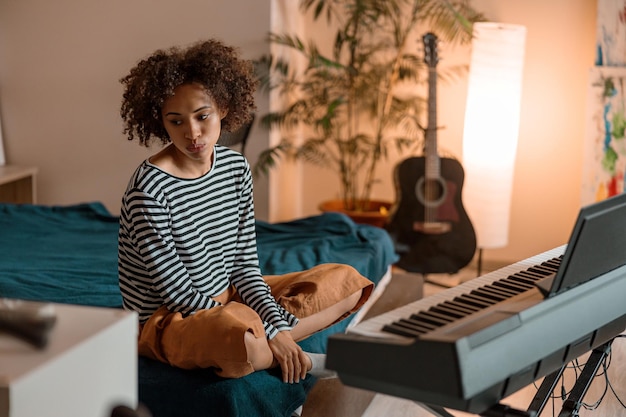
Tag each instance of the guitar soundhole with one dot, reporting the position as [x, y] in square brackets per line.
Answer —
[431, 192]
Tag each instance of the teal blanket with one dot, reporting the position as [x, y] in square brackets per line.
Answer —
[68, 254]
[59, 254]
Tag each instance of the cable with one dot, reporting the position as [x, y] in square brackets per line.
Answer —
[607, 382]
[576, 368]
[610, 386]
[595, 405]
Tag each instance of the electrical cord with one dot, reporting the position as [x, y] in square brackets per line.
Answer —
[576, 367]
[619, 400]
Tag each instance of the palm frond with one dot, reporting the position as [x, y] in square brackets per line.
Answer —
[343, 110]
[451, 20]
[314, 151]
[270, 157]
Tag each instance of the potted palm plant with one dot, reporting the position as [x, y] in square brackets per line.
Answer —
[348, 108]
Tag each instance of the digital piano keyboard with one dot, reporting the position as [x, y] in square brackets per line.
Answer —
[469, 346]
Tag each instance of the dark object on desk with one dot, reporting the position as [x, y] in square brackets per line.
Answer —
[29, 321]
[124, 411]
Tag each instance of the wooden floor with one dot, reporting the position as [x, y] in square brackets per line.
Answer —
[330, 398]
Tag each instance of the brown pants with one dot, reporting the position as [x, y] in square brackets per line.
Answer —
[215, 337]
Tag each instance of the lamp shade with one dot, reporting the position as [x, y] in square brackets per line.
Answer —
[491, 128]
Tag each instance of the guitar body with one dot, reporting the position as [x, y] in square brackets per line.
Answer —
[450, 243]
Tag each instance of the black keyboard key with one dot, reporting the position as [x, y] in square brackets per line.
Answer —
[542, 270]
[476, 300]
[518, 287]
[447, 311]
[499, 290]
[401, 331]
[414, 325]
[422, 323]
[461, 307]
[554, 262]
[486, 293]
[430, 317]
[531, 275]
[525, 278]
[466, 308]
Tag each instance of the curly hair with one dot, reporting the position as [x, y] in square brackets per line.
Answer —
[228, 79]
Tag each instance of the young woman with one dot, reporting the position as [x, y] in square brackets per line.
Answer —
[187, 248]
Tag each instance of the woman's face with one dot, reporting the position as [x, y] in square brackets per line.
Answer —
[192, 121]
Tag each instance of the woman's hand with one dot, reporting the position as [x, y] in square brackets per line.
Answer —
[290, 357]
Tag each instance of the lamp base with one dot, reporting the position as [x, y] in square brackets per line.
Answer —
[479, 262]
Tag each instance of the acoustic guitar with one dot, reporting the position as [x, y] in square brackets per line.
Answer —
[430, 228]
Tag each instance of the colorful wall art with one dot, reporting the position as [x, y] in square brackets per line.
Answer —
[604, 158]
[611, 33]
[605, 146]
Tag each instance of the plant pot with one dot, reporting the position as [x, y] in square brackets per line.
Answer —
[376, 214]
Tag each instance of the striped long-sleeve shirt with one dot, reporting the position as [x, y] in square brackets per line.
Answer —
[183, 241]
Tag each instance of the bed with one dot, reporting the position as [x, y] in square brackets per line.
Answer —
[68, 254]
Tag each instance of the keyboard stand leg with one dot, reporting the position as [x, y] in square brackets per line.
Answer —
[545, 391]
[574, 401]
[584, 380]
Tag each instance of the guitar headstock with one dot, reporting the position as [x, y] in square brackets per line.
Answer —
[430, 49]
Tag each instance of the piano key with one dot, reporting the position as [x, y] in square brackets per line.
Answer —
[429, 318]
[465, 308]
[449, 311]
[415, 326]
[535, 276]
[503, 340]
[539, 269]
[554, 262]
[519, 282]
[420, 324]
[487, 293]
[551, 266]
[401, 331]
[460, 294]
[512, 286]
[448, 318]
[474, 300]
[523, 279]
[500, 290]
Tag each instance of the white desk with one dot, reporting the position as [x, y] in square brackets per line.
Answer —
[88, 367]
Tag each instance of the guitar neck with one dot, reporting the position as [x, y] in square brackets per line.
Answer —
[430, 148]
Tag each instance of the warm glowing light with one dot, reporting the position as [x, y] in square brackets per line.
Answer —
[491, 128]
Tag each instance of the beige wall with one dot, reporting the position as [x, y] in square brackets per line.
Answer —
[60, 63]
[547, 180]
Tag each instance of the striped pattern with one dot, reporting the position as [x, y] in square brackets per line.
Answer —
[182, 241]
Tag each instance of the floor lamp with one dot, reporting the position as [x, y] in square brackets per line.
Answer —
[491, 130]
